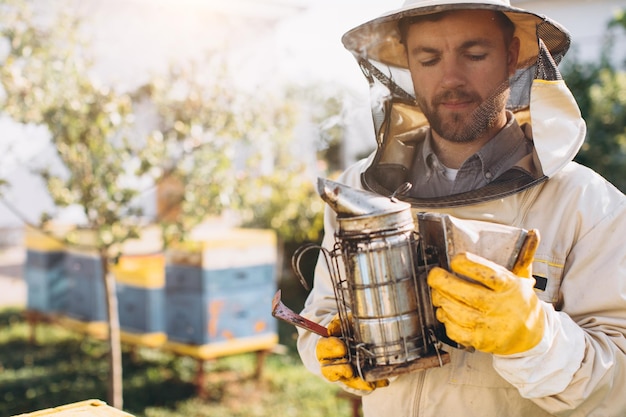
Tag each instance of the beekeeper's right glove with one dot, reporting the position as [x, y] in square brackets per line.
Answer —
[488, 307]
[332, 354]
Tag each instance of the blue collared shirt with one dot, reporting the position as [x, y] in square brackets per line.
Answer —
[497, 156]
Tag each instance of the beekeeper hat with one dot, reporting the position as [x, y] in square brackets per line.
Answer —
[538, 98]
[379, 39]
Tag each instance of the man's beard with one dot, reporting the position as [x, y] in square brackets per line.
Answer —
[465, 128]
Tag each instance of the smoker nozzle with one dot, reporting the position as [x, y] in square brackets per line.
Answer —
[350, 202]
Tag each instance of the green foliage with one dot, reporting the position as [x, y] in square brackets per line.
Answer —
[45, 80]
[329, 117]
[283, 198]
[328, 110]
[64, 367]
[286, 203]
[600, 90]
[606, 121]
[287, 199]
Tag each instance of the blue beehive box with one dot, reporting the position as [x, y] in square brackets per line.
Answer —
[44, 270]
[140, 290]
[211, 313]
[86, 294]
[141, 309]
[45, 280]
[220, 289]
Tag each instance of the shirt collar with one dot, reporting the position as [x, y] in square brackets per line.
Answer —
[497, 152]
[492, 155]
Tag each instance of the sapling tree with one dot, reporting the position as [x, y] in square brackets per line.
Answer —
[110, 147]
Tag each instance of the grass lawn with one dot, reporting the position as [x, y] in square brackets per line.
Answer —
[64, 367]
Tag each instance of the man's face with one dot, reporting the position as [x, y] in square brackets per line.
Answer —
[460, 65]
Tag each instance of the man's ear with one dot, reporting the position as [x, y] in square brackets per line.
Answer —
[513, 54]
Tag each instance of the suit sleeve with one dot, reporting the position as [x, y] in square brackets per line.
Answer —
[579, 368]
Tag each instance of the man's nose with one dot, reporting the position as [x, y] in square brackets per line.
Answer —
[452, 73]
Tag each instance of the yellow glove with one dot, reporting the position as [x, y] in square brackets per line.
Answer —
[496, 310]
[332, 353]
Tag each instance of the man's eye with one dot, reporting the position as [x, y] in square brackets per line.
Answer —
[477, 57]
[429, 62]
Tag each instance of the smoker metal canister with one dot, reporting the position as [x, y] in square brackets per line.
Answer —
[378, 241]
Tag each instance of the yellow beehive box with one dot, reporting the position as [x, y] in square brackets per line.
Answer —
[142, 262]
[146, 271]
[82, 241]
[188, 253]
[48, 239]
[225, 248]
[88, 408]
[86, 240]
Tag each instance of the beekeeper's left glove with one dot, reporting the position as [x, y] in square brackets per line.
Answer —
[494, 311]
[332, 354]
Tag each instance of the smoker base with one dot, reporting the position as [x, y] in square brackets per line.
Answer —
[386, 371]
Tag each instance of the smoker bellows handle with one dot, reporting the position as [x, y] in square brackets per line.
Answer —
[281, 311]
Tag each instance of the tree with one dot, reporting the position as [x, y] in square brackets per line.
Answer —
[110, 146]
[44, 86]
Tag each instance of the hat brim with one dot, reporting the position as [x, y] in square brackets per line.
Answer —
[379, 39]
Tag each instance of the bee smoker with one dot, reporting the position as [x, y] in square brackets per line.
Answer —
[378, 267]
[383, 304]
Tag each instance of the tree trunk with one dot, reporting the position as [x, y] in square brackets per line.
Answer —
[115, 388]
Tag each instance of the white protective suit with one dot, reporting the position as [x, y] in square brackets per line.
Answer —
[579, 367]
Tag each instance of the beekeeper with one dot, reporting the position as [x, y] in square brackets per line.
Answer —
[470, 109]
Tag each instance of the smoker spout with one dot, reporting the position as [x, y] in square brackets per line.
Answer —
[350, 202]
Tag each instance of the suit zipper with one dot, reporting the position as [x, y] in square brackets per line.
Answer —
[419, 388]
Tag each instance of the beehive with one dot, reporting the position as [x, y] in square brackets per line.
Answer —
[84, 274]
[88, 408]
[219, 289]
[43, 270]
[140, 282]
